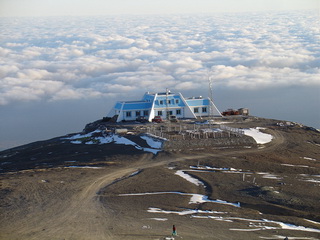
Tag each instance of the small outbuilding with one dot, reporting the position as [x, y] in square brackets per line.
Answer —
[243, 111]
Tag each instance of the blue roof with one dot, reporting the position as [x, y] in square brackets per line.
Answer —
[197, 102]
[137, 105]
[173, 101]
[118, 105]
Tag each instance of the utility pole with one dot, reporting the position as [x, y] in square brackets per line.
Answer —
[167, 108]
[210, 95]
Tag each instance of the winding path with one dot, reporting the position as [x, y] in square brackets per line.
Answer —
[82, 216]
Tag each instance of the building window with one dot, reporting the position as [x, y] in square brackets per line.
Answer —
[204, 109]
[145, 113]
[159, 113]
[128, 114]
[196, 110]
[137, 113]
[177, 101]
[178, 112]
[161, 103]
[169, 101]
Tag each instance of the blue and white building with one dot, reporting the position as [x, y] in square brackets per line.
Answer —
[164, 104]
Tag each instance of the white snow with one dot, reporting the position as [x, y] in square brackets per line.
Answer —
[269, 175]
[255, 224]
[291, 165]
[314, 222]
[289, 226]
[84, 167]
[187, 177]
[247, 229]
[77, 136]
[152, 142]
[195, 198]
[184, 212]
[155, 146]
[134, 173]
[281, 225]
[159, 219]
[214, 168]
[291, 237]
[312, 180]
[199, 198]
[218, 218]
[311, 159]
[259, 137]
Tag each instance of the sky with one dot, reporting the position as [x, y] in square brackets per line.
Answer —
[63, 65]
[103, 7]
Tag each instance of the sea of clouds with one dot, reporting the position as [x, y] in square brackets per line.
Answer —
[61, 58]
[263, 58]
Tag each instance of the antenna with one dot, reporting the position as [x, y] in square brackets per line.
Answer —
[210, 94]
[167, 109]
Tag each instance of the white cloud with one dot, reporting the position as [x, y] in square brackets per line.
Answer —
[95, 57]
[4, 52]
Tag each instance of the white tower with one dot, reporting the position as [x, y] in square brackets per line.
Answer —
[210, 95]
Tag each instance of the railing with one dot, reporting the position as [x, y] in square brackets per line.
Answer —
[195, 131]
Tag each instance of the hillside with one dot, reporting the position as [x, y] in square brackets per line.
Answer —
[236, 178]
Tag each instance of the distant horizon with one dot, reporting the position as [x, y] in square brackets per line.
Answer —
[146, 14]
[17, 8]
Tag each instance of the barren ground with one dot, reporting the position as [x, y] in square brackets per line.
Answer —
[42, 197]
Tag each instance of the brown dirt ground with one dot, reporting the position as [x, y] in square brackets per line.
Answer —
[42, 198]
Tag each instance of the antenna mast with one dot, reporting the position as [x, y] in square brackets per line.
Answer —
[167, 108]
[210, 95]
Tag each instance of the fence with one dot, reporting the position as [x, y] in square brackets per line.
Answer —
[194, 131]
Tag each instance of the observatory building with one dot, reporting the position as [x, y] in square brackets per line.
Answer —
[164, 104]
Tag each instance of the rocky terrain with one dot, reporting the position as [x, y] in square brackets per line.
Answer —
[98, 184]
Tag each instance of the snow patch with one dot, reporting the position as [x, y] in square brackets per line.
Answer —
[291, 238]
[281, 225]
[84, 167]
[195, 198]
[184, 212]
[218, 218]
[155, 146]
[152, 142]
[187, 177]
[259, 137]
[269, 175]
[291, 165]
[159, 219]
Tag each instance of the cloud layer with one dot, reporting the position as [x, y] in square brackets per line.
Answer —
[90, 57]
